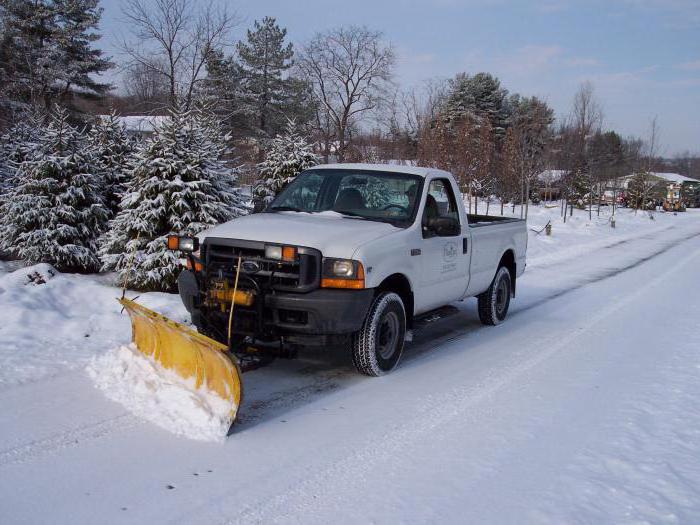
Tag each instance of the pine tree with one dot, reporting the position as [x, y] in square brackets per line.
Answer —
[48, 50]
[223, 88]
[264, 58]
[54, 213]
[287, 156]
[112, 149]
[480, 95]
[179, 184]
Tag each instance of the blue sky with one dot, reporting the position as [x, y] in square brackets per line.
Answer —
[642, 56]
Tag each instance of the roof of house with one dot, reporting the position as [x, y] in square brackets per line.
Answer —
[673, 177]
[140, 123]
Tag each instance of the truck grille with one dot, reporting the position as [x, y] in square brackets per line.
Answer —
[221, 257]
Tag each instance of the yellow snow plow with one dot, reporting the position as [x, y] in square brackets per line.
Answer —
[187, 353]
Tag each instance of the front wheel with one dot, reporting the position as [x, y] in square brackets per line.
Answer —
[494, 302]
[377, 347]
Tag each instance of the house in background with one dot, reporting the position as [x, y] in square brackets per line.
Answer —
[139, 125]
[549, 184]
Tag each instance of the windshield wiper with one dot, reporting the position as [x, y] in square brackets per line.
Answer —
[356, 215]
[285, 208]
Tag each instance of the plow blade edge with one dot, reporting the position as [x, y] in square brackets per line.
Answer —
[186, 352]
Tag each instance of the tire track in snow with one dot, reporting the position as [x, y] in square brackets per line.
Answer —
[436, 411]
[67, 439]
[605, 245]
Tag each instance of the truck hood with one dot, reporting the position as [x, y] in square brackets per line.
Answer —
[329, 232]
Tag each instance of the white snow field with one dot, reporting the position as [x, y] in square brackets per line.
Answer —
[581, 408]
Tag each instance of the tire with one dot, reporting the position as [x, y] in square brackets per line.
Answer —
[494, 302]
[377, 347]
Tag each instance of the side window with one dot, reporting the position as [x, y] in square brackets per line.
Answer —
[440, 215]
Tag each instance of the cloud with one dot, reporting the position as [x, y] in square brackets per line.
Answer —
[689, 66]
[674, 13]
[530, 59]
[581, 61]
[537, 59]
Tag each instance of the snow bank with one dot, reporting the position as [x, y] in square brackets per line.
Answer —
[53, 322]
[159, 395]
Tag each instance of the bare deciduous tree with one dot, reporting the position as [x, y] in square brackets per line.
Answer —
[147, 87]
[349, 69]
[174, 38]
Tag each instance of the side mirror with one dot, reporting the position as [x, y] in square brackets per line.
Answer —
[444, 226]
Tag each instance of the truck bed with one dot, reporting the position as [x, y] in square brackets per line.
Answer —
[477, 221]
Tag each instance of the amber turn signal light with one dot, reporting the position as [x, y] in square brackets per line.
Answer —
[289, 253]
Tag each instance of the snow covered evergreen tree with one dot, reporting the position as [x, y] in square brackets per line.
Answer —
[112, 149]
[179, 184]
[16, 146]
[54, 212]
[288, 155]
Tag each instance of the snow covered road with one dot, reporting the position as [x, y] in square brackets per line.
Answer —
[581, 408]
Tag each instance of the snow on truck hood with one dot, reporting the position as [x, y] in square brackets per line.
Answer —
[329, 232]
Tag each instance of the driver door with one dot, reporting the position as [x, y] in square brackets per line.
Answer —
[444, 266]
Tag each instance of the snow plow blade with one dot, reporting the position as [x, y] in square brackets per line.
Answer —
[186, 352]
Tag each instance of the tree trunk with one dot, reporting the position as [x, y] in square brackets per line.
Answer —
[527, 197]
[564, 205]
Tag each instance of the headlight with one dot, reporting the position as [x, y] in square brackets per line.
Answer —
[273, 252]
[280, 253]
[342, 268]
[342, 273]
[183, 244]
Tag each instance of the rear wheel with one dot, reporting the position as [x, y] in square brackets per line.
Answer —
[377, 347]
[494, 302]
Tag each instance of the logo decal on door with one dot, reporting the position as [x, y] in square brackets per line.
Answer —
[449, 251]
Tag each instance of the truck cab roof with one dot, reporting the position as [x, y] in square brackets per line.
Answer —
[387, 168]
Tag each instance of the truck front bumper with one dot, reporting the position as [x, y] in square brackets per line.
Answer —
[318, 312]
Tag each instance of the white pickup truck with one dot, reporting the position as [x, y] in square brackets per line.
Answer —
[356, 254]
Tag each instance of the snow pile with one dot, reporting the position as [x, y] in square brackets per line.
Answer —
[159, 395]
[31, 275]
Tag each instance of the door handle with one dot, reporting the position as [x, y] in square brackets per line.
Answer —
[465, 244]
[415, 251]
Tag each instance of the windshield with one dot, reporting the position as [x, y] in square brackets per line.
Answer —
[372, 195]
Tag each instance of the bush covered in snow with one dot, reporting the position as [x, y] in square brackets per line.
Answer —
[53, 211]
[179, 184]
[288, 155]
